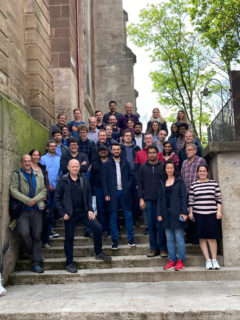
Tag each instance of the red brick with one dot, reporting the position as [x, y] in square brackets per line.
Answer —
[54, 2]
[64, 60]
[60, 45]
[65, 11]
[61, 32]
[59, 23]
[55, 12]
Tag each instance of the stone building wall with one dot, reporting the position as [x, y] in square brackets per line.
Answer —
[113, 60]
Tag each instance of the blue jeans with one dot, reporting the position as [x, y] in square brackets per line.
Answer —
[103, 216]
[70, 225]
[178, 235]
[114, 218]
[157, 237]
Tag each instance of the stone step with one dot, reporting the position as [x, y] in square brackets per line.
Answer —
[79, 230]
[198, 300]
[124, 250]
[151, 274]
[117, 262]
[80, 240]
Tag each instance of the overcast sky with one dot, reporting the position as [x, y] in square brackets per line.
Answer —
[147, 99]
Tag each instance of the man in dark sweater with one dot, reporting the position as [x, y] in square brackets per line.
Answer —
[73, 153]
[74, 202]
[150, 175]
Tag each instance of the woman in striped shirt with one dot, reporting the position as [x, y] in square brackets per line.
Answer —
[205, 208]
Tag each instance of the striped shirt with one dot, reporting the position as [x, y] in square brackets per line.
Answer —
[204, 197]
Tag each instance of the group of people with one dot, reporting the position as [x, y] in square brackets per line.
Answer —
[112, 161]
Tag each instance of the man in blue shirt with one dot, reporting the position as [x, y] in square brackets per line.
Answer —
[73, 125]
[52, 163]
[60, 147]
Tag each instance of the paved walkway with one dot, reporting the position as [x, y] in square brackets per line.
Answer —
[116, 297]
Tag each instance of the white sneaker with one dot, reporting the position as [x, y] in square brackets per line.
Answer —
[215, 264]
[209, 265]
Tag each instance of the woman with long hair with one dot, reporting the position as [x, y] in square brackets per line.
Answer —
[172, 212]
[205, 208]
[36, 166]
[168, 154]
[156, 116]
[182, 118]
[154, 129]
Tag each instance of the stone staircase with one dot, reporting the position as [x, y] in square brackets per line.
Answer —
[130, 271]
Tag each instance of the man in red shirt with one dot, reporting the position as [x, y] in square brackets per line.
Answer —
[142, 156]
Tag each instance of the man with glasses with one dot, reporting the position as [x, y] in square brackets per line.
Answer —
[189, 175]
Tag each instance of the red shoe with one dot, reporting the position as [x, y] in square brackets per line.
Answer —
[179, 265]
[171, 264]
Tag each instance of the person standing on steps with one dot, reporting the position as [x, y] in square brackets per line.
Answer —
[122, 122]
[172, 214]
[32, 195]
[150, 175]
[74, 202]
[117, 183]
[62, 119]
[112, 107]
[73, 125]
[205, 208]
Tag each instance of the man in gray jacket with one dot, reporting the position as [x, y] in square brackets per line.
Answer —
[29, 223]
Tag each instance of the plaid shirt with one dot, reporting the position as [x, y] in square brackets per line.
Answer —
[189, 170]
[88, 147]
[179, 144]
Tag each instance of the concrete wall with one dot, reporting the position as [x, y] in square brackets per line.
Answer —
[113, 60]
[25, 56]
[224, 161]
[19, 133]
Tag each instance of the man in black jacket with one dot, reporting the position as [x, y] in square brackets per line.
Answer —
[117, 185]
[96, 185]
[74, 202]
[73, 153]
[150, 175]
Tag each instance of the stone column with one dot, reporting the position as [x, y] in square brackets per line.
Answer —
[224, 161]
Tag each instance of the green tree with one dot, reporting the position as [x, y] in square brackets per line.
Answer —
[219, 23]
[165, 31]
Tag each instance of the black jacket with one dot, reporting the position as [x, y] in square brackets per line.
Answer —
[109, 183]
[149, 177]
[66, 157]
[178, 205]
[63, 199]
[96, 173]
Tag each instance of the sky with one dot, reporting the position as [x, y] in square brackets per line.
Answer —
[147, 100]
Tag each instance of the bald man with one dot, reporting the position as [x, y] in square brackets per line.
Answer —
[74, 202]
[122, 122]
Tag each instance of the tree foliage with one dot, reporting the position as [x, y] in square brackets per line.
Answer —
[219, 23]
[165, 31]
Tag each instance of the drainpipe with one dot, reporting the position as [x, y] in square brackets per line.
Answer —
[78, 57]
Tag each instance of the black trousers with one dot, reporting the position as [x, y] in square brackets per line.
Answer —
[70, 225]
[29, 227]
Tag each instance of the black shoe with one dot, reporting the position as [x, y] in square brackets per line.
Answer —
[71, 267]
[115, 245]
[37, 268]
[103, 256]
[131, 243]
[145, 232]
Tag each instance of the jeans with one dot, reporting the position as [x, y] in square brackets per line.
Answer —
[157, 238]
[29, 227]
[103, 215]
[178, 235]
[70, 225]
[114, 218]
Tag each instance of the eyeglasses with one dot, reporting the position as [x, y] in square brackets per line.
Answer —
[189, 150]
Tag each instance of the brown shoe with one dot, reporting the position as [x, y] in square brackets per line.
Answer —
[164, 253]
[153, 253]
